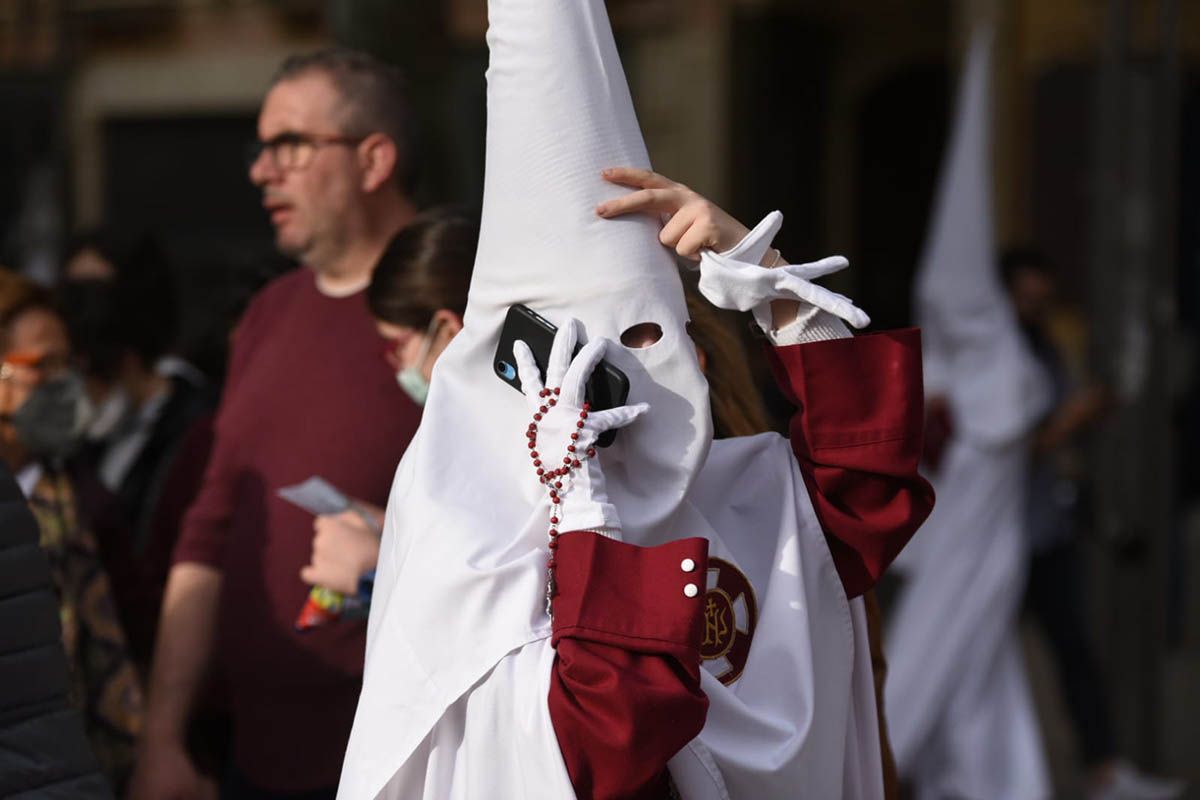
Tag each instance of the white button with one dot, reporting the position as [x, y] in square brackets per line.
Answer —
[687, 565]
[691, 590]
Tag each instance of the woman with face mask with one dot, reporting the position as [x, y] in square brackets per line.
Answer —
[418, 293]
[417, 296]
[43, 415]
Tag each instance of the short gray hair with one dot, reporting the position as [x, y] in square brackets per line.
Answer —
[374, 96]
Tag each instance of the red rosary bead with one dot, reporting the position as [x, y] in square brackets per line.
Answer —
[550, 478]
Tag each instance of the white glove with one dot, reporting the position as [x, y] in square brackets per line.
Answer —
[734, 279]
[583, 503]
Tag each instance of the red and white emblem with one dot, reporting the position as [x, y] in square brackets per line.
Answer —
[730, 615]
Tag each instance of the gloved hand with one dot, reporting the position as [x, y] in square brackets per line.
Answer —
[734, 280]
[564, 433]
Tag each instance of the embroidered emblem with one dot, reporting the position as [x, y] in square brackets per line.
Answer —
[730, 615]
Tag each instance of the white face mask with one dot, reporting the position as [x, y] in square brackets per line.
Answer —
[412, 378]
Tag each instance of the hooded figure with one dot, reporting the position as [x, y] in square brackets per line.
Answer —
[471, 689]
[961, 716]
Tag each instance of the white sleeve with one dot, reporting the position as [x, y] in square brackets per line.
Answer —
[811, 325]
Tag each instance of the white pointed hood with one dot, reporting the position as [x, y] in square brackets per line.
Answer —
[559, 111]
[975, 353]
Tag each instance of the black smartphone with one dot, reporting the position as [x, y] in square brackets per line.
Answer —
[608, 387]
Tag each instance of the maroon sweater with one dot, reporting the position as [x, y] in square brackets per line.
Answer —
[307, 394]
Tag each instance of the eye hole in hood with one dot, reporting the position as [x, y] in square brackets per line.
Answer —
[642, 335]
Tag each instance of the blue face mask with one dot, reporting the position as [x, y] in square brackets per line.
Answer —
[412, 379]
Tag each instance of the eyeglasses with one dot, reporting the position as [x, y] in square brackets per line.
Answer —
[294, 151]
[33, 366]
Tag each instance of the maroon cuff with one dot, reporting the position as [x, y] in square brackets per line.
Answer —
[854, 391]
[636, 598]
[857, 435]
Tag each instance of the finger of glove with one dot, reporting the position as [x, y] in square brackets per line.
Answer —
[613, 418]
[758, 241]
[561, 352]
[527, 370]
[816, 269]
[575, 381]
[836, 304]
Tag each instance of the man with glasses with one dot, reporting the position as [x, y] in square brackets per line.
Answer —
[306, 395]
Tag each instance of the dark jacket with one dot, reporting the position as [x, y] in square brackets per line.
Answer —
[44, 753]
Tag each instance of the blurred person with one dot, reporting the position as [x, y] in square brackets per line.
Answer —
[126, 326]
[1055, 592]
[960, 711]
[576, 622]
[99, 263]
[306, 394]
[43, 746]
[43, 414]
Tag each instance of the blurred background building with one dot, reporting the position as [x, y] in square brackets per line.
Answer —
[135, 114]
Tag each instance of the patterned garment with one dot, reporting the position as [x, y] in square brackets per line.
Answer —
[105, 686]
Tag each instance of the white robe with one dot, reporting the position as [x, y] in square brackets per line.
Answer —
[801, 715]
[960, 714]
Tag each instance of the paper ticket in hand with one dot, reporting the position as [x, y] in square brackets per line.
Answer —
[318, 496]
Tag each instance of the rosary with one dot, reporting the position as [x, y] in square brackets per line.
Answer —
[553, 479]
